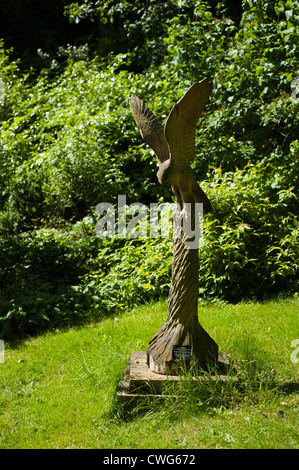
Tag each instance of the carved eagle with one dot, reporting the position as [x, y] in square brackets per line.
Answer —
[174, 144]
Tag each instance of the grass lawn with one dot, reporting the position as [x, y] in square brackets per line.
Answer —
[58, 389]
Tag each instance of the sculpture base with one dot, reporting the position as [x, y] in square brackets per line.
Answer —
[181, 364]
[140, 382]
[176, 341]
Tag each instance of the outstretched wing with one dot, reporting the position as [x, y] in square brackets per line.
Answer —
[181, 123]
[151, 129]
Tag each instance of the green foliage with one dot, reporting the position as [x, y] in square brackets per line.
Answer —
[40, 271]
[251, 67]
[250, 243]
[138, 27]
[67, 152]
[69, 142]
[54, 278]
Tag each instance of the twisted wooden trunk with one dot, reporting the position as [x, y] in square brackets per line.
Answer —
[182, 331]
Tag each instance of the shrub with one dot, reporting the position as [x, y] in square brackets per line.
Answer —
[69, 142]
[250, 245]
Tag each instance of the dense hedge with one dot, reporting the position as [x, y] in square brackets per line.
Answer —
[69, 142]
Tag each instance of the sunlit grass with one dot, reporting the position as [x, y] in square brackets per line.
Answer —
[58, 389]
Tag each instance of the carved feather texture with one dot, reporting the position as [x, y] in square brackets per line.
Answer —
[180, 128]
[177, 140]
[152, 131]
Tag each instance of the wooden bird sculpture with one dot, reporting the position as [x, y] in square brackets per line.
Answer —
[174, 146]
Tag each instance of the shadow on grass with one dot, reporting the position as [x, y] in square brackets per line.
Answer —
[289, 388]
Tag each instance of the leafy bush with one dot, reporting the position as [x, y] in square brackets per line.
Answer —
[69, 142]
[58, 278]
[250, 247]
[39, 272]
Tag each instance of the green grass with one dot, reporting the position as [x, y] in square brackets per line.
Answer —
[58, 389]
